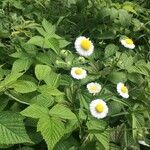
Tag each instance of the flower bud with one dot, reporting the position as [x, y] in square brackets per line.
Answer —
[64, 53]
[81, 59]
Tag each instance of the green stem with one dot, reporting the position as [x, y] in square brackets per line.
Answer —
[16, 99]
[120, 114]
[113, 66]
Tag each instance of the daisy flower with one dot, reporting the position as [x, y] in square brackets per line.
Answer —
[84, 46]
[78, 73]
[94, 88]
[98, 109]
[127, 42]
[122, 90]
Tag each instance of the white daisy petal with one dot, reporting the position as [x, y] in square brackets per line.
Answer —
[122, 90]
[98, 109]
[84, 46]
[128, 43]
[94, 88]
[143, 143]
[78, 73]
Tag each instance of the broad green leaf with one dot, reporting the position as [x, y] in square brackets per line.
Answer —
[3, 103]
[38, 41]
[63, 43]
[110, 50]
[124, 17]
[96, 125]
[116, 77]
[9, 80]
[62, 111]
[43, 58]
[23, 86]
[141, 69]
[84, 99]
[35, 111]
[135, 78]
[129, 7]
[48, 27]
[19, 54]
[43, 100]
[53, 79]
[12, 130]
[42, 71]
[103, 138]
[53, 44]
[12, 77]
[115, 107]
[65, 80]
[42, 31]
[52, 130]
[106, 35]
[114, 13]
[67, 144]
[49, 90]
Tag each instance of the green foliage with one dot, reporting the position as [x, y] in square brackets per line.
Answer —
[62, 112]
[12, 129]
[42, 71]
[51, 128]
[37, 53]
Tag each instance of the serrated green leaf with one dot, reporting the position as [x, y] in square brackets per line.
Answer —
[124, 18]
[49, 90]
[38, 41]
[48, 27]
[43, 58]
[53, 44]
[35, 111]
[43, 100]
[116, 77]
[53, 79]
[110, 50]
[3, 103]
[63, 43]
[62, 111]
[9, 80]
[67, 144]
[52, 130]
[23, 86]
[12, 130]
[115, 107]
[96, 125]
[42, 71]
[103, 138]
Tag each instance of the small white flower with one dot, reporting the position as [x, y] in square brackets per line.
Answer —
[122, 90]
[143, 143]
[94, 88]
[98, 109]
[128, 43]
[84, 46]
[78, 73]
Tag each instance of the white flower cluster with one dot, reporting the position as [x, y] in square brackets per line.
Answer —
[98, 107]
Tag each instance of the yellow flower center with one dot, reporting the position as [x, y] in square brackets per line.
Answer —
[124, 89]
[93, 88]
[78, 71]
[99, 108]
[129, 41]
[85, 44]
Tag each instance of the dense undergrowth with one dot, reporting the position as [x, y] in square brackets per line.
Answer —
[42, 105]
